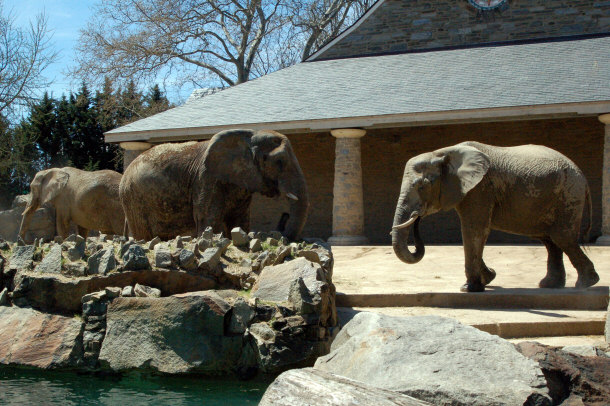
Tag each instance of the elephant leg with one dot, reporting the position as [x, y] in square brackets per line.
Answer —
[62, 225]
[555, 272]
[82, 231]
[586, 271]
[477, 273]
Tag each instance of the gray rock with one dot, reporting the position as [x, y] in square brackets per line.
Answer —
[241, 316]
[282, 253]
[187, 259]
[152, 243]
[310, 255]
[163, 257]
[584, 350]
[51, 262]
[77, 269]
[112, 292]
[76, 250]
[275, 281]
[146, 291]
[210, 258]
[135, 259]
[435, 359]
[4, 297]
[306, 301]
[272, 241]
[308, 386]
[223, 244]
[178, 242]
[127, 291]
[21, 258]
[102, 262]
[95, 296]
[208, 234]
[275, 235]
[239, 237]
[125, 246]
[255, 245]
[203, 244]
[178, 334]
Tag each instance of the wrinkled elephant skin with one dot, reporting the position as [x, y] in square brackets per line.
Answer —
[180, 189]
[528, 190]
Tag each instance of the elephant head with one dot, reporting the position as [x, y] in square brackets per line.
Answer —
[433, 181]
[44, 188]
[257, 161]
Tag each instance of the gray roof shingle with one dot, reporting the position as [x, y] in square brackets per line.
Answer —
[573, 71]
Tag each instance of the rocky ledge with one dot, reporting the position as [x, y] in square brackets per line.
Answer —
[212, 305]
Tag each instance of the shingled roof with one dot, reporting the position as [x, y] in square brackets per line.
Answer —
[562, 77]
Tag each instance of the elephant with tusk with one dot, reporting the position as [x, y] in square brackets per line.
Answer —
[180, 189]
[528, 190]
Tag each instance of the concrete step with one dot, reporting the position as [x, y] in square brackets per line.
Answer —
[506, 323]
[595, 298]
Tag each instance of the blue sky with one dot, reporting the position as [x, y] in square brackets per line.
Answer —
[65, 19]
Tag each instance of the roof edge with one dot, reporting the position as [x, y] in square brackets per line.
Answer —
[531, 112]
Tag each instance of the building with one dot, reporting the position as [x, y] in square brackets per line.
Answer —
[412, 76]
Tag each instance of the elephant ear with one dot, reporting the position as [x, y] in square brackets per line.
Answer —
[230, 158]
[53, 183]
[463, 168]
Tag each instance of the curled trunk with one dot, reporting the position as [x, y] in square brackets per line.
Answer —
[400, 243]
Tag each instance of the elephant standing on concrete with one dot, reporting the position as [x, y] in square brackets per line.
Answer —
[180, 189]
[88, 199]
[529, 190]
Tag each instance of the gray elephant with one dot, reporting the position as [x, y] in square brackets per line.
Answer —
[180, 189]
[89, 199]
[529, 190]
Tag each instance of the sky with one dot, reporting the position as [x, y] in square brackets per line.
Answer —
[65, 19]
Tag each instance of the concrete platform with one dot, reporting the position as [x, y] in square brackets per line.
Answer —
[371, 278]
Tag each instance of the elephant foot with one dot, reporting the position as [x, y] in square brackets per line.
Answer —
[472, 287]
[587, 279]
[487, 276]
[552, 283]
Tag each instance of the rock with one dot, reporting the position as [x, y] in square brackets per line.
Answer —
[112, 292]
[146, 291]
[95, 308]
[570, 376]
[272, 241]
[102, 261]
[76, 250]
[4, 297]
[94, 297]
[41, 226]
[274, 281]
[163, 257]
[203, 244]
[304, 300]
[308, 386]
[276, 235]
[435, 359]
[22, 258]
[178, 242]
[241, 316]
[127, 291]
[51, 263]
[607, 328]
[178, 334]
[208, 234]
[282, 253]
[34, 339]
[310, 255]
[255, 245]
[135, 258]
[57, 293]
[187, 259]
[223, 244]
[77, 269]
[239, 237]
[153, 243]
[584, 350]
[210, 258]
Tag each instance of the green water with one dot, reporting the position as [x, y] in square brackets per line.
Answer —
[33, 387]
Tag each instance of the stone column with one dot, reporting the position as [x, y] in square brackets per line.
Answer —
[604, 239]
[348, 210]
[131, 151]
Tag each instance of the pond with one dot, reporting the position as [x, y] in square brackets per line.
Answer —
[30, 387]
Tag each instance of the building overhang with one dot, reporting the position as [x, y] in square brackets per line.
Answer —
[517, 113]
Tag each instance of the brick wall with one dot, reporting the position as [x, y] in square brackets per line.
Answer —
[385, 152]
[404, 25]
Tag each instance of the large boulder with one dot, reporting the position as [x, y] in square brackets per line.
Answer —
[581, 379]
[308, 386]
[41, 226]
[170, 335]
[435, 359]
[31, 338]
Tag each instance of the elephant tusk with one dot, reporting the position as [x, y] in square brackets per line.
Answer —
[292, 196]
[407, 223]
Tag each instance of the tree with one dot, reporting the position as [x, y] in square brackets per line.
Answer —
[24, 54]
[209, 43]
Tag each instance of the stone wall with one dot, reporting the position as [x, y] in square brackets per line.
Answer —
[385, 152]
[400, 25]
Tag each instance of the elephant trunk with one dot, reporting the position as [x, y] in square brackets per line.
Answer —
[28, 213]
[400, 238]
[296, 192]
